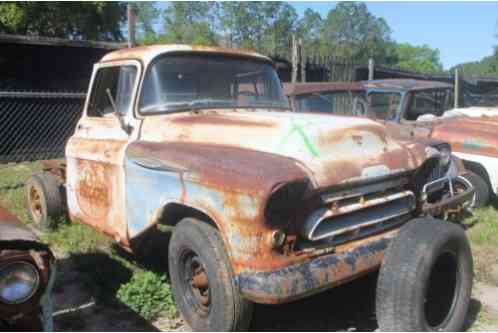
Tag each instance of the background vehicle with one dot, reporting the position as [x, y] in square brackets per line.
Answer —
[27, 272]
[268, 206]
[421, 109]
[413, 109]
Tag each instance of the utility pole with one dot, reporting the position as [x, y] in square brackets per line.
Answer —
[131, 25]
[371, 68]
[303, 60]
[294, 59]
[457, 87]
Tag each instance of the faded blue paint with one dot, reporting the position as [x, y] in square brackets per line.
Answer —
[148, 190]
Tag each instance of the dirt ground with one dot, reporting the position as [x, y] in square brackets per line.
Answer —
[350, 307]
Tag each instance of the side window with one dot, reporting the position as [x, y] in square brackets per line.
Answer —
[119, 81]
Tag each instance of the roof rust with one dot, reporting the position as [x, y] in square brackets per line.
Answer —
[313, 87]
[405, 84]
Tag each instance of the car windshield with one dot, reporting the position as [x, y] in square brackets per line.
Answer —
[333, 102]
[189, 81]
[429, 102]
[384, 105]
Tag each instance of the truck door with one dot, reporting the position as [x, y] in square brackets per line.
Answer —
[95, 153]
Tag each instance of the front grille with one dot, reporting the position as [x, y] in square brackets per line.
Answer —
[359, 211]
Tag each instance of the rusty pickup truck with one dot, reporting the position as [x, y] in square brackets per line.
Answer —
[27, 271]
[268, 206]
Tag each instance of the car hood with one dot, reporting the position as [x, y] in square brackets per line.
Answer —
[332, 149]
[11, 229]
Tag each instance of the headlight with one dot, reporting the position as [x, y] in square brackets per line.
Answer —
[18, 282]
[445, 151]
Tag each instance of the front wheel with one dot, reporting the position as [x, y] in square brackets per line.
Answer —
[425, 281]
[202, 279]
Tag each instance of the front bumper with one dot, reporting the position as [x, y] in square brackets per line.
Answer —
[315, 275]
[453, 201]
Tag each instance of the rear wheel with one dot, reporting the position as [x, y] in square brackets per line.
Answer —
[202, 279]
[425, 280]
[45, 201]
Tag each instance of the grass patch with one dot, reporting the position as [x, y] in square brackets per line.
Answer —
[75, 238]
[483, 236]
[15, 199]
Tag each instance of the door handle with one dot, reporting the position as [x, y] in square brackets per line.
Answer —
[83, 127]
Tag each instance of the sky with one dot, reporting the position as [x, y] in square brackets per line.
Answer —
[462, 31]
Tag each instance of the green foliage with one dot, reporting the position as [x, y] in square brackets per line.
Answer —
[417, 58]
[486, 66]
[350, 30]
[79, 20]
[190, 23]
[146, 16]
[148, 294]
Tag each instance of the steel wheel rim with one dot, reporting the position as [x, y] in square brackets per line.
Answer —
[35, 204]
[195, 282]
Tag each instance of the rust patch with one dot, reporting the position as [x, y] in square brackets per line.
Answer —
[93, 189]
[222, 167]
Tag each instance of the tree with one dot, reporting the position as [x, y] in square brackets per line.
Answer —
[422, 59]
[79, 20]
[189, 22]
[350, 30]
[309, 27]
[146, 15]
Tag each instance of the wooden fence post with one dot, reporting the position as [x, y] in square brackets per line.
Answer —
[302, 60]
[294, 59]
[457, 88]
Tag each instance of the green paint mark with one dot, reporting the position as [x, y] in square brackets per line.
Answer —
[306, 140]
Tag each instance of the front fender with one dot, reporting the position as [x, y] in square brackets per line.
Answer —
[230, 185]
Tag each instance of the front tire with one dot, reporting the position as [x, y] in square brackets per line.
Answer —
[202, 279]
[425, 281]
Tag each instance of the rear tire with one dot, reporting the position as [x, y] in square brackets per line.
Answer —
[481, 187]
[202, 279]
[425, 281]
[45, 201]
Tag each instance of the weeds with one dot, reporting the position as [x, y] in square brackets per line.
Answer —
[148, 294]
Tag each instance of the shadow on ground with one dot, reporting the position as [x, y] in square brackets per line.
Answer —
[87, 284]
[345, 308]
[84, 295]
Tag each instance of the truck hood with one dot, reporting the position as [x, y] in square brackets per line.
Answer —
[473, 135]
[331, 149]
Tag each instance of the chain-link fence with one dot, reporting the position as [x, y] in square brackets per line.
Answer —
[37, 125]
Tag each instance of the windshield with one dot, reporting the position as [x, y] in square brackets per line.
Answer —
[188, 81]
[434, 102]
[384, 105]
[336, 102]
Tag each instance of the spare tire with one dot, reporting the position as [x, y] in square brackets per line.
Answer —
[425, 280]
